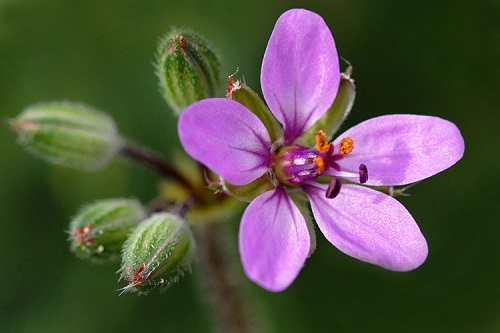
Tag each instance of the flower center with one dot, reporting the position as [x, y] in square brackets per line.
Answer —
[295, 164]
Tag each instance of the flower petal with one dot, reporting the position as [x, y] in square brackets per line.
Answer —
[274, 241]
[370, 226]
[226, 137]
[401, 149]
[300, 71]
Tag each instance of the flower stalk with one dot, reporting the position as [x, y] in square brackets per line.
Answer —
[155, 162]
[220, 282]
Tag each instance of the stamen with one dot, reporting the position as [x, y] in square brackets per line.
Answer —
[363, 174]
[320, 164]
[322, 144]
[333, 188]
[346, 146]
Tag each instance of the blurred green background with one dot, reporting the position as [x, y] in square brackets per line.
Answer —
[438, 57]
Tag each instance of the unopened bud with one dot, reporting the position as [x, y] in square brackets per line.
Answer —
[187, 68]
[157, 253]
[69, 134]
[99, 230]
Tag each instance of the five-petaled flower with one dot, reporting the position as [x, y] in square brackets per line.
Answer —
[300, 78]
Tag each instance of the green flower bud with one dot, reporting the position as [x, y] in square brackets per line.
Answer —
[187, 68]
[157, 253]
[69, 134]
[99, 230]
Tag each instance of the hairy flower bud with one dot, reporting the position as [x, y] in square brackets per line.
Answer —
[99, 230]
[69, 134]
[187, 68]
[157, 253]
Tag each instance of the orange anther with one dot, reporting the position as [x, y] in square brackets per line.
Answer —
[320, 164]
[322, 144]
[346, 146]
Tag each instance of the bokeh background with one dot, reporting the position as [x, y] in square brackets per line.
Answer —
[425, 57]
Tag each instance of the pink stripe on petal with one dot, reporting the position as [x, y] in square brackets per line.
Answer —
[227, 138]
[300, 71]
[370, 226]
[402, 149]
[274, 241]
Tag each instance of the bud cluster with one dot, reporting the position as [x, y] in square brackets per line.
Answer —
[155, 250]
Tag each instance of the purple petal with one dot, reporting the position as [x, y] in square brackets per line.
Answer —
[370, 226]
[402, 149]
[274, 241]
[300, 71]
[227, 138]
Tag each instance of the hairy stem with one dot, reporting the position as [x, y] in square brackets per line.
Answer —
[220, 281]
[156, 163]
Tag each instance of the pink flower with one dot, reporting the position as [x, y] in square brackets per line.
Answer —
[300, 78]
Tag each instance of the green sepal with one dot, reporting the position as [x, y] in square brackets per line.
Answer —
[187, 68]
[69, 134]
[157, 253]
[394, 191]
[244, 95]
[99, 230]
[335, 116]
[247, 192]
